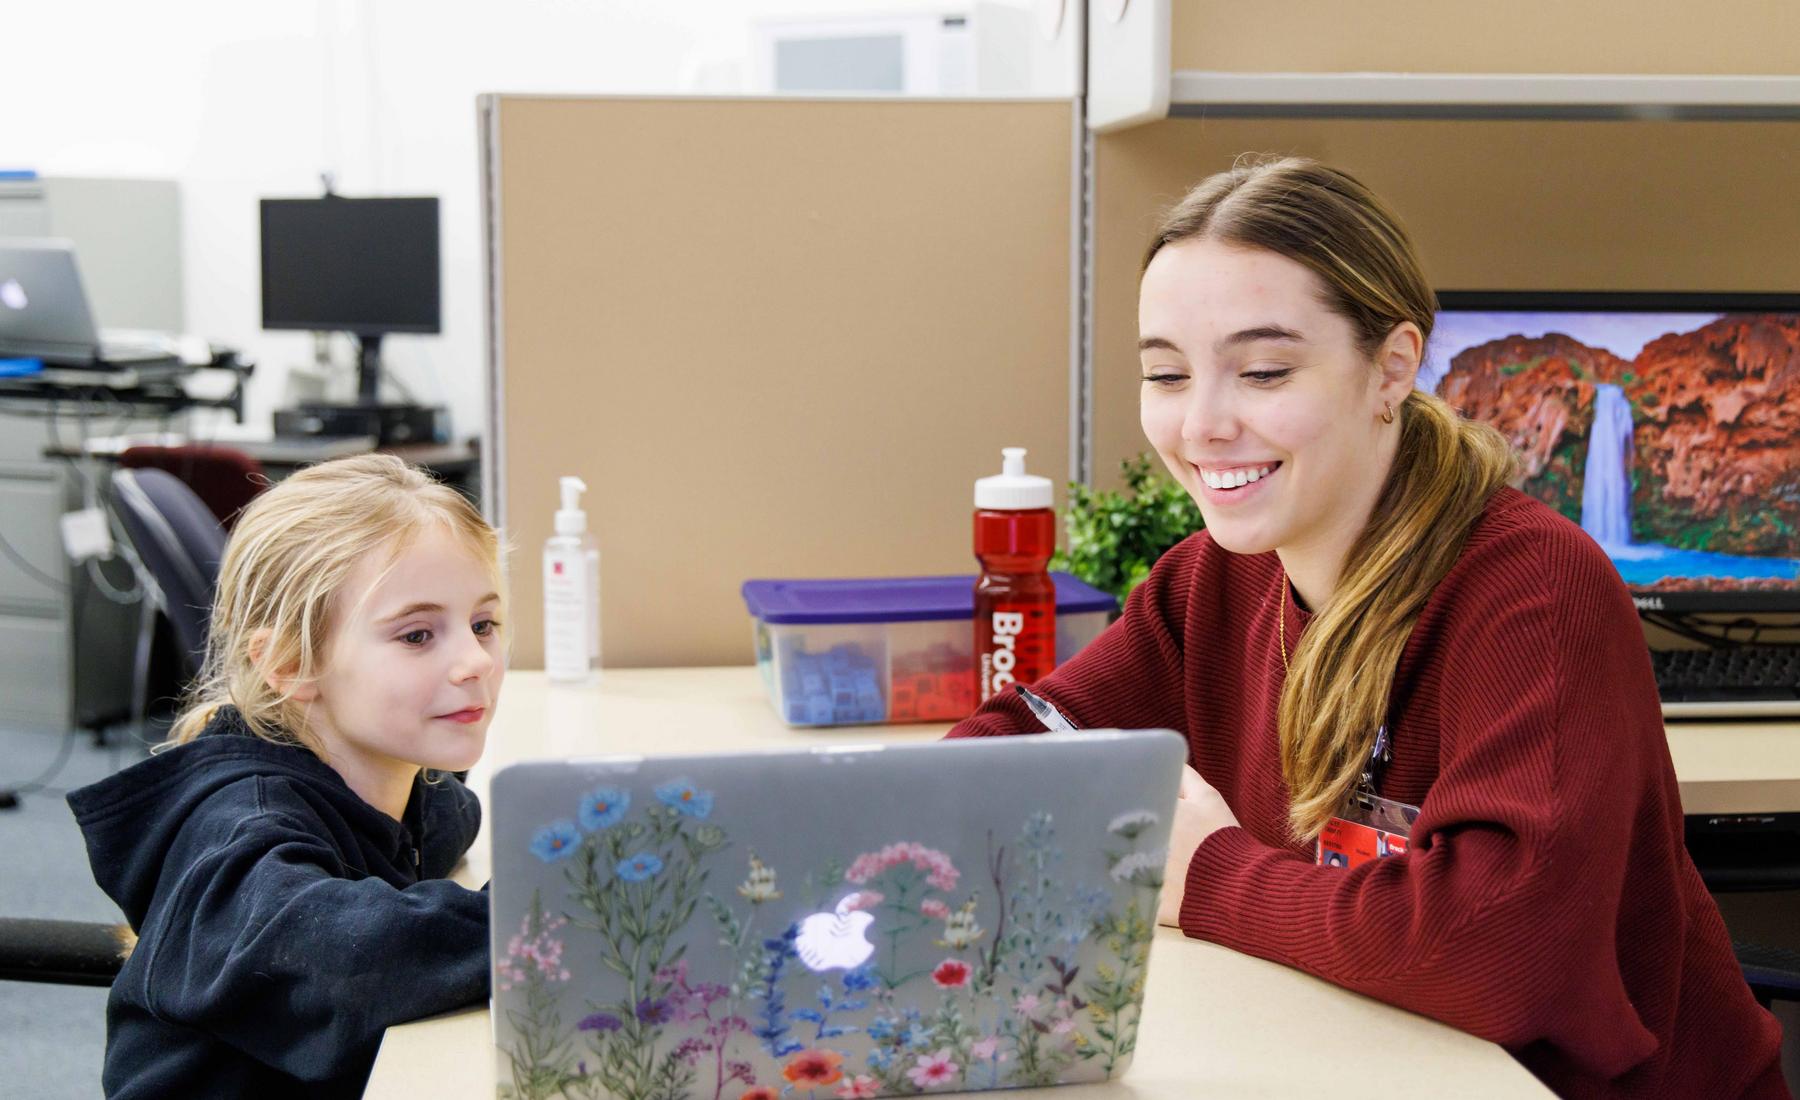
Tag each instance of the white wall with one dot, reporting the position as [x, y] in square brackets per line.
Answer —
[238, 101]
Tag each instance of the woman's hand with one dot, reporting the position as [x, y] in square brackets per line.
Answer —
[1200, 811]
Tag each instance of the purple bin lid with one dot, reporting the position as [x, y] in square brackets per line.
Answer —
[895, 599]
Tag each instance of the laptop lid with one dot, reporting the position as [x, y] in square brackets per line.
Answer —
[43, 307]
[866, 920]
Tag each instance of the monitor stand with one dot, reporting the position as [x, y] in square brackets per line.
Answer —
[368, 369]
[390, 424]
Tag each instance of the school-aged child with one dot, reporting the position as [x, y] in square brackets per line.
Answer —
[283, 861]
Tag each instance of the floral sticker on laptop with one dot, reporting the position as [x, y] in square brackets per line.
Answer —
[830, 1000]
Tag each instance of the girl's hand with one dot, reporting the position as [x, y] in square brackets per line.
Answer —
[1200, 811]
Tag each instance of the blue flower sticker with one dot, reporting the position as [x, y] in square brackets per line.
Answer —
[599, 1021]
[855, 981]
[603, 807]
[639, 867]
[682, 796]
[555, 840]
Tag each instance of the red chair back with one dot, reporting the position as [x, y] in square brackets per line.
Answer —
[225, 478]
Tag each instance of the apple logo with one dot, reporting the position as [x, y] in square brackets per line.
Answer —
[836, 940]
[13, 295]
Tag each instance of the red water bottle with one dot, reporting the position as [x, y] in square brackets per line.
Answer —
[1015, 600]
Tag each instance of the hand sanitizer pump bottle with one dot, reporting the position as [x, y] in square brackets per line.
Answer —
[571, 592]
[1015, 599]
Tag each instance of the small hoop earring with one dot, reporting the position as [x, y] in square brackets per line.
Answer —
[1387, 412]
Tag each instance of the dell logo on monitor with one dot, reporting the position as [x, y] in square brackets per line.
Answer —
[12, 295]
[1648, 603]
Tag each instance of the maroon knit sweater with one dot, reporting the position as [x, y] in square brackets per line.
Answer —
[1547, 902]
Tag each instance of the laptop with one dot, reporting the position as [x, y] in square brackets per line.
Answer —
[843, 921]
[44, 312]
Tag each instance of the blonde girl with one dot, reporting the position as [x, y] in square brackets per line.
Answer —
[283, 860]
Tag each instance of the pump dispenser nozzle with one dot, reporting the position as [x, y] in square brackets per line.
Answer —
[570, 519]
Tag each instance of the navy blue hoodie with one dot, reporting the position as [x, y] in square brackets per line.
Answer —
[283, 922]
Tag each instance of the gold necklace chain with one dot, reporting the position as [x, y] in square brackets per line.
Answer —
[1281, 622]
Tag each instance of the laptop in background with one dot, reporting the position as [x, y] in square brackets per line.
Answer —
[44, 312]
[865, 920]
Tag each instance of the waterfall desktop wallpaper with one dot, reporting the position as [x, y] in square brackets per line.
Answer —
[1672, 438]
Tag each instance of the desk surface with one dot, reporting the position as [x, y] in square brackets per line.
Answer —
[1215, 1022]
[285, 454]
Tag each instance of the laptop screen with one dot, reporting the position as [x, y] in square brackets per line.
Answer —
[43, 308]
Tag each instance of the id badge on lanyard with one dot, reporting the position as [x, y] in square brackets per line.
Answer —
[1370, 827]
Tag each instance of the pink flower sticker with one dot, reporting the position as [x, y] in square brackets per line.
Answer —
[933, 1069]
[860, 1087]
[940, 873]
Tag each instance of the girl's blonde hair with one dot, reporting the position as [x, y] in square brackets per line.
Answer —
[290, 555]
[1336, 692]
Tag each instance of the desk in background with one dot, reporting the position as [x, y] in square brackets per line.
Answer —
[457, 464]
[1215, 1022]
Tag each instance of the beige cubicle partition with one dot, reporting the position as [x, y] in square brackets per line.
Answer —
[775, 337]
[1518, 205]
[1480, 36]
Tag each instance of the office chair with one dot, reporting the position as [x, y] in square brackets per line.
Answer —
[224, 478]
[64, 952]
[179, 542]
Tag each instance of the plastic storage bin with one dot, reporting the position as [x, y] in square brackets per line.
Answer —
[837, 652]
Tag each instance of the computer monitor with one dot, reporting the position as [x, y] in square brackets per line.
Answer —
[363, 266]
[1666, 425]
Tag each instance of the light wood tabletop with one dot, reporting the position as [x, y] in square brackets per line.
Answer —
[1215, 1022]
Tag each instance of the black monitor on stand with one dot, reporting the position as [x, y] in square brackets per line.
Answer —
[367, 267]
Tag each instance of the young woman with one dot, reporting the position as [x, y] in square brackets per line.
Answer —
[1374, 628]
[283, 862]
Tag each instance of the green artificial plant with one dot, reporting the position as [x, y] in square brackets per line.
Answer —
[1113, 538]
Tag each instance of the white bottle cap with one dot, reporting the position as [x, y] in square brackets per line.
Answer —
[570, 519]
[1012, 489]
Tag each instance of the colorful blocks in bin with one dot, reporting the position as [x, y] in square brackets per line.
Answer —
[841, 652]
[809, 710]
[836, 687]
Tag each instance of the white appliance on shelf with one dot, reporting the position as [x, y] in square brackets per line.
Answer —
[981, 47]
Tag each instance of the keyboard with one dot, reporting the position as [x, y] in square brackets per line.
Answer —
[1740, 674]
[302, 451]
[1769, 966]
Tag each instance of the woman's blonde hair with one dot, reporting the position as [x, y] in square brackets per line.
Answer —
[1445, 469]
[290, 555]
